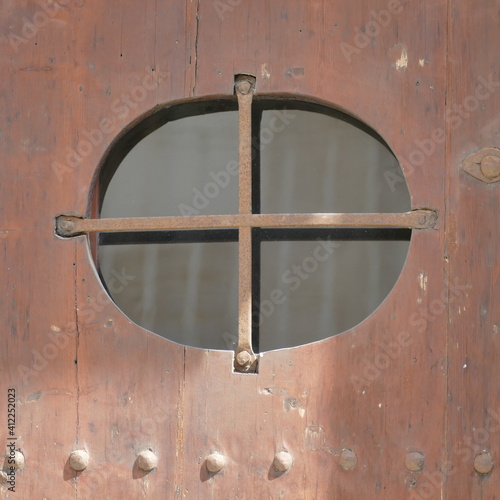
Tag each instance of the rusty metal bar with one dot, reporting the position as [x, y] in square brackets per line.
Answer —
[245, 359]
[67, 225]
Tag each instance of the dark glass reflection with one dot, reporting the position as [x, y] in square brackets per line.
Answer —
[311, 290]
[186, 292]
[311, 162]
[186, 167]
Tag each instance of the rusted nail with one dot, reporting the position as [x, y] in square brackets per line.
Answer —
[348, 459]
[147, 460]
[283, 461]
[243, 358]
[414, 461]
[215, 462]
[490, 166]
[79, 460]
[483, 463]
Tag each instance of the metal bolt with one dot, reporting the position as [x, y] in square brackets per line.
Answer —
[67, 225]
[483, 463]
[79, 460]
[348, 459]
[243, 358]
[414, 461]
[244, 86]
[283, 461]
[490, 166]
[215, 462]
[19, 460]
[147, 460]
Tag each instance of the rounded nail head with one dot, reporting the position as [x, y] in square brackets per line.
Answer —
[283, 461]
[215, 462]
[483, 463]
[79, 460]
[348, 459]
[147, 460]
[243, 358]
[414, 461]
[490, 166]
[18, 460]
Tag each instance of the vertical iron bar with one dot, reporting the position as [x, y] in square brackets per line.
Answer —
[245, 359]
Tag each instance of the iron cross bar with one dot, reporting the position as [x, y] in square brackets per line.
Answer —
[244, 221]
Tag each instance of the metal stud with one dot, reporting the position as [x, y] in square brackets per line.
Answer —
[79, 460]
[414, 461]
[348, 459]
[483, 463]
[215, 462]
[243, 358]
[490, 166]
[147, 460]
[283, 461]
[18, 460]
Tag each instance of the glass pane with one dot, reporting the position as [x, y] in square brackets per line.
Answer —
[311, 290]
[312, 162]
[186, 292]
[186, 167]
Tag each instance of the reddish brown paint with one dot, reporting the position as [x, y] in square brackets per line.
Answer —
[420, 374]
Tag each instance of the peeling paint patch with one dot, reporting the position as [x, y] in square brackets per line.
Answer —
[34, 396]
[264, 71]
[402, 62]
[422, 279]
[421, 62]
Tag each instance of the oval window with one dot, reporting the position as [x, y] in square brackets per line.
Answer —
[308, 283]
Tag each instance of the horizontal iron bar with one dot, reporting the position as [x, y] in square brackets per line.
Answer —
[68, 226]
[260, 235]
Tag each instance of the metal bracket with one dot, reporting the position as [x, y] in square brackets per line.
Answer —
[484, 165]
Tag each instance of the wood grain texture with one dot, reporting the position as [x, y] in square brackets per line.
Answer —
[473, 247]
[394, 384]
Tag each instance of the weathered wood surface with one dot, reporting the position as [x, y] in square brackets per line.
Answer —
[392, 385]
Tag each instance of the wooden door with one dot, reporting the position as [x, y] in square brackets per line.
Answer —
[405, 405]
